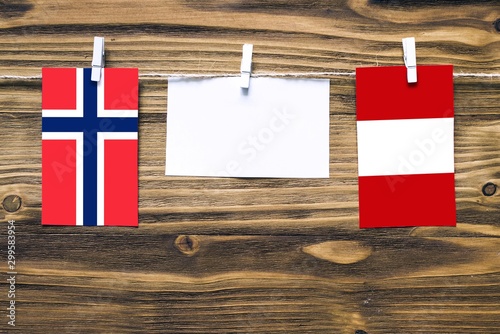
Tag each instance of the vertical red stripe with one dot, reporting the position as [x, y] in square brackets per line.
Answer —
[384, 93]
[407, 200]
[121, 87]
[58, 182]
[120, 183]
[58, 88]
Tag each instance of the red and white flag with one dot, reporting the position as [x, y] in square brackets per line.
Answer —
[89, 147]
[405, 147]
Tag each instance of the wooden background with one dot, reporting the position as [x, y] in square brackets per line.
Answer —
[252, 255]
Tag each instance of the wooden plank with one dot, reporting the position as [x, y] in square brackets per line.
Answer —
[208, 205]
[253, 255]
[176, 36]
[421, 282]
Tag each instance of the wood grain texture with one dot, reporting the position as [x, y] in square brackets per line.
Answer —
[252, 255]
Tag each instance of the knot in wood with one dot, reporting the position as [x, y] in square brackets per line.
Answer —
[341, 251]
[187, 245]
[489, 189]
[12, 203]
[496, 24]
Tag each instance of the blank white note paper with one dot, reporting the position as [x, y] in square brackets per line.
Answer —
[276, 128]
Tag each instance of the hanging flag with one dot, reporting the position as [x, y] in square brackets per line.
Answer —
[405, 147]
[89, 147]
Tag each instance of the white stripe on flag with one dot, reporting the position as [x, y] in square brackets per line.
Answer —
[78, 136]
[79, 101]
[407, 146]
[101, 136]
[101, 112]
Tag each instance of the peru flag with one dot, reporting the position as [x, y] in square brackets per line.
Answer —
[405, 147]
[89, 147]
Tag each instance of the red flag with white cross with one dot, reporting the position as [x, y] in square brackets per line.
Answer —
[89, 147]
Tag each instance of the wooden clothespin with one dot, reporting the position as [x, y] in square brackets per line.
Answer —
[246, 65]
[97, 58]
[410, 58]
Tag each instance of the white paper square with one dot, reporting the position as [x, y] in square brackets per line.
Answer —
[276, 128]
